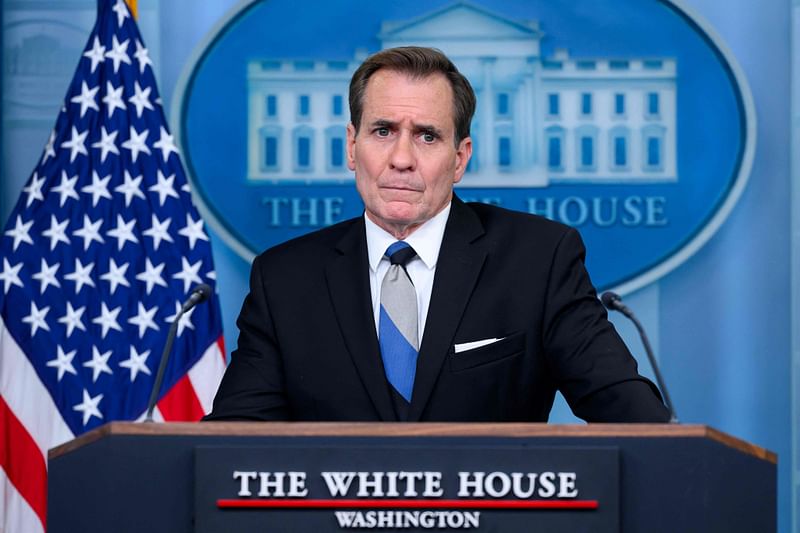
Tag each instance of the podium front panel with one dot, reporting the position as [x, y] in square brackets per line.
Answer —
[182, 478]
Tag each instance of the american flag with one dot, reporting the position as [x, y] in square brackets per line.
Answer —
[100, 250]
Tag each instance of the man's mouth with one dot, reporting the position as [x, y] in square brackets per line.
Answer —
[400, 187]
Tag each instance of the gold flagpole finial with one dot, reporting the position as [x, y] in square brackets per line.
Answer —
[132, 7]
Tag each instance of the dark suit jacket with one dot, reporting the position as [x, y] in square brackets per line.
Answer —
[308, 349]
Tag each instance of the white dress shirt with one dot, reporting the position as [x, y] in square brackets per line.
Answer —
[426, 241]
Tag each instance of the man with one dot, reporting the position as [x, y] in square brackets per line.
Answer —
[475, 313]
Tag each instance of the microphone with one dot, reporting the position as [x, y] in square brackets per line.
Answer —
[199, 294]
[613, 302]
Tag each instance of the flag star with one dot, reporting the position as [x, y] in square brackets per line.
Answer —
[136, 363]
[107, 319]
[89, 232]
[89, 407]
[34, 189]
[186, 188]
[47, 276]
[57, 232]
[159, 231]
[76, 144]
[72, 319]
[185, 321]
[164, 188]
[211, 274]
[188, 273]
[20, 232]
[166, 143]
[63, 362]
[136, 143]
[123, 232]
[118, 53]
[122, 12]
[10, 275]
[66, 189]
[116, 275]
[144, 319]
[36, 319]
[96, 54]
[151, 275]
[193, 231]
[141, 99]
[130, 188]
[48, 148]
[106, 144]
[99, 363]
[98, 189]
[113, 98]
[81, 276]
[142, 57]
[86, 99]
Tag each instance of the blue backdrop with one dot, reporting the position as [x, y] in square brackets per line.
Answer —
[724, 323]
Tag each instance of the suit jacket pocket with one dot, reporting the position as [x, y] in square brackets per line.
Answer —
[511, 345]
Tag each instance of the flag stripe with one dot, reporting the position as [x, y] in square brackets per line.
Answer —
[17, 515]
[181, 402]
[22, 461]
[156, 416]
[193, 395]
[27, 397]
[206, 374]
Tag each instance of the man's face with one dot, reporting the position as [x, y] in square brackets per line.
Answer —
[404, 155]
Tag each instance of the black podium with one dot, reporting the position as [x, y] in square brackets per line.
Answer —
[295, 477]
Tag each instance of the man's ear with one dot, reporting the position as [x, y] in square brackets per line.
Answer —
[351, 146]
[463, 155]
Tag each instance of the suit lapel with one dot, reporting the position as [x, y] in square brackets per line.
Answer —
[348, 284]
[457, 269]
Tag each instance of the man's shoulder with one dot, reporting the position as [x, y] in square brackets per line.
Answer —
[311, 247]
[496, 219]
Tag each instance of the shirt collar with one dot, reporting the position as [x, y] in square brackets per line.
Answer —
[426, 239]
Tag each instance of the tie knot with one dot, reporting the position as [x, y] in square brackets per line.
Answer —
[400, 253]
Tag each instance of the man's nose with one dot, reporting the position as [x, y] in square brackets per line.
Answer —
[402, 156]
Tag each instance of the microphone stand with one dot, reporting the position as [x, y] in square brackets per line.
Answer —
[199, 294]
[162, 366]
[614, 302]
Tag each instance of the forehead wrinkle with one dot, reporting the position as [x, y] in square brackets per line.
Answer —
[381, 99]
[415, 126]
[383, 122]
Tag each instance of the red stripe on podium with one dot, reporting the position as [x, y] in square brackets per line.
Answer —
[407, 504]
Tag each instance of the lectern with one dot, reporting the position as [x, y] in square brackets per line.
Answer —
[330, 477]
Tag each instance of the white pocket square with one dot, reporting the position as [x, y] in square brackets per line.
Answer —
[463, 347]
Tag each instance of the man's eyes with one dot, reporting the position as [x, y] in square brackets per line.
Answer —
[426, 136]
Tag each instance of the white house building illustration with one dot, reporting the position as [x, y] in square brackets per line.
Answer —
[540, 120]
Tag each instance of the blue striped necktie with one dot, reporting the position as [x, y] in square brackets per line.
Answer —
[398, 326]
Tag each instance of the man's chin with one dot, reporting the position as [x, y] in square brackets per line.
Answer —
[399, 209]
[399, 218]
[400, 196]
